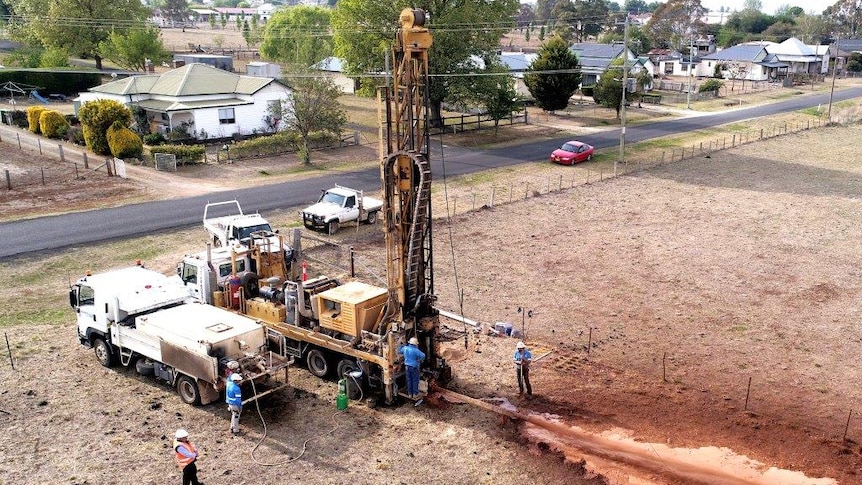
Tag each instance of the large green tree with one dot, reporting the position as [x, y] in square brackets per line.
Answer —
[313, 107]
[846, 16]
[131, 48]
[674, 22]
[298, 37]
[364, 31]
[78, 26]
[608, 92]
[554, 76]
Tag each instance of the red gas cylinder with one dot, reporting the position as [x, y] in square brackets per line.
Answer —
[233, 296]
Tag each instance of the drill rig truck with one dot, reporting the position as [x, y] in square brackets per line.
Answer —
[356, 329]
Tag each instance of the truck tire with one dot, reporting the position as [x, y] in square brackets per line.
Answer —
[343, 370]
[104, 352]
[332, 227]
[317, 363]
[372, 217]
[188, 390]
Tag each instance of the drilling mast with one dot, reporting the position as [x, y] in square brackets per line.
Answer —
[406, 178]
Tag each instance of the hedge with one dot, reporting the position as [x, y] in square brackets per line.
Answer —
[33, 113]
[53, 124]
[54, 82]
[186, 154]
[282, 142]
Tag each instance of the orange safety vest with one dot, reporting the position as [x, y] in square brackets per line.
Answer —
[184, 461]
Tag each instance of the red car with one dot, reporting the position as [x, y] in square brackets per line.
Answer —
[572, 152]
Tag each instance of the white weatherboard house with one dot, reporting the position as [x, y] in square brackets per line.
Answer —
[199, 99]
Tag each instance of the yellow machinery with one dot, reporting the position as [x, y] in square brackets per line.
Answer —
[356, 329]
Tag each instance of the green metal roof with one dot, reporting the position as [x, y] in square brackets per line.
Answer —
[165, 106]
[190, 80]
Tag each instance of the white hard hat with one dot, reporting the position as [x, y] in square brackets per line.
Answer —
[413, 340]
[181, 433]
[521, 345]
[235, 377]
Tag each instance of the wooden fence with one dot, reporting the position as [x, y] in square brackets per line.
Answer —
[478, 121]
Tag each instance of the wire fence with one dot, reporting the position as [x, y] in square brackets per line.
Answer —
[74, 163]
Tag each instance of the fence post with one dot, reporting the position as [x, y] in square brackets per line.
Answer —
[86, 162]
[561, 183]
[723, 143]
[511, 189]
[108, 167]
[18, 136]
[701, 147]
[733, 144]
[527, 191]
[8, 181]
[62, 156]
[39, 144]
[352, 267]
[42, 169]
[493, 192]
[662, 157]
[761, 133]
[76, 172]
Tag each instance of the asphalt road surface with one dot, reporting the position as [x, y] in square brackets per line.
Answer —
[33, 236]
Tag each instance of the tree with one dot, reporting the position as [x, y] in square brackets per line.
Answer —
[582, 18]
[131, 48]
[554, 76]
[314, 107]
[526, 15]
[643, 80]
[854, 63]
[212, 21]
[298, 36]
[811, 29]
[175, 10]
[78, 27]
[675, 21]
[608, 92]
[779, 31]
[846, 16]
[223, 21]
[365, 31]
[497, 93]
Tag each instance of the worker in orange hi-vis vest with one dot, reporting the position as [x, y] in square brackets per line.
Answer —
[186, 455]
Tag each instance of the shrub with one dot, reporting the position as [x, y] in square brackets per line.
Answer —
[19, 119]
[124, 143]
[52, 124]
[710, 85]
[72, 120]
[33, 113]
[96, 117]
[587, 91]
[186, 154]
[154, 139]
[75, 135]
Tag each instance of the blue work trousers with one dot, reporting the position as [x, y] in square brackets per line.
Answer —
[412, 380]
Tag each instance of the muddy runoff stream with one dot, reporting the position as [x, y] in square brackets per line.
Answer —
[619, 459]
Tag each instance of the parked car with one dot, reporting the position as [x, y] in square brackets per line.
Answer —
[572, 152]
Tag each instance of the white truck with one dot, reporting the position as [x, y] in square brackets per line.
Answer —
[146, 319]
[228, 225]
[339, 205]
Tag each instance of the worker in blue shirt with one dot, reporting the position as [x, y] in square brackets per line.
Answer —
[233, 398]
[413, 358]
[522, 359]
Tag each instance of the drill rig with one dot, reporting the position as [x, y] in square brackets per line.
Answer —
[355, 328]
[406, 177]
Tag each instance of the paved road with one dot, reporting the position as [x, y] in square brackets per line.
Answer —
[43, 234]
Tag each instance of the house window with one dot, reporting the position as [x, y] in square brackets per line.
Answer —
[226, 116]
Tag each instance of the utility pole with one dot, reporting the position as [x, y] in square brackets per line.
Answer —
[623, 101]
[832, 91]
[690, 62]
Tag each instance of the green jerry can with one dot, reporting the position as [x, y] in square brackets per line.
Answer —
[342, 400]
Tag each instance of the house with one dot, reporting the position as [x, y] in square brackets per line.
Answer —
[517, 63]
[334, 68]
[801, 58]
[198, 99]
[595, 59]
[747, 62]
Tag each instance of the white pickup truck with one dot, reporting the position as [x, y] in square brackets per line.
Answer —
[228, 225]
[339, 205]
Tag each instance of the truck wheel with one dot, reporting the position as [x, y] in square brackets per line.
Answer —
[372, 217]
[333, 227]
[103, 352]
[188, 390]
[317, 363]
